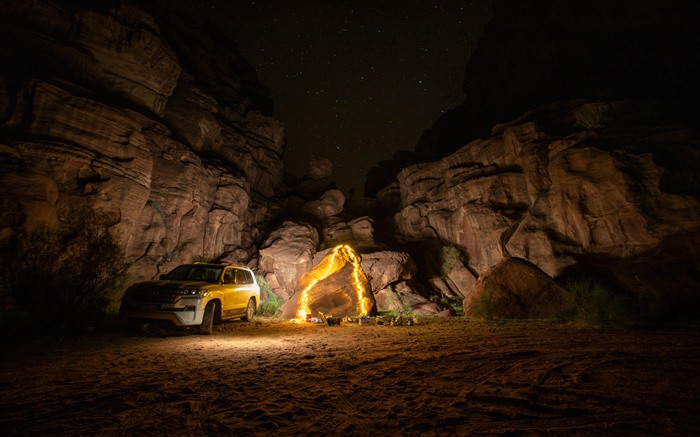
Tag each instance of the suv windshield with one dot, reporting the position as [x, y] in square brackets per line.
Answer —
[195, 273]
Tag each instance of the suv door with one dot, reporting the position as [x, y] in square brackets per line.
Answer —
[245, 287]
[238, 288]
[229, 284]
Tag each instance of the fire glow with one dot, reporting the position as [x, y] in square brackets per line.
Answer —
[339, 253]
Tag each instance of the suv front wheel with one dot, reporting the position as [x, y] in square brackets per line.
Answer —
[207, 325]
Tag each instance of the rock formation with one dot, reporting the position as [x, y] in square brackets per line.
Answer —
[391, 275]
[293, 251]
[386, 268]
[515, 289]
[320, 168]
[594, 171]
[123, 110]
[559, 195]
[286, 255]
[330, 204]
[403, 296]
[336, 286]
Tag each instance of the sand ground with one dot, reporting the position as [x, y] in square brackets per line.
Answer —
[447, 377]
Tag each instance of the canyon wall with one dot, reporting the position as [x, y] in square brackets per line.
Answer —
[575, 148]
[135, 112]
[618, 197]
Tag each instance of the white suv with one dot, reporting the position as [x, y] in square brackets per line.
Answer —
[194, 295]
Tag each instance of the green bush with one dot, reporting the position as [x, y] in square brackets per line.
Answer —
[453, 303]
[587, 300]
[451, 257]
[68, 277]
[592, 300]
[270, 303]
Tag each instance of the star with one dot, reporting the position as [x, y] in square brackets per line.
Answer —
[353, 81]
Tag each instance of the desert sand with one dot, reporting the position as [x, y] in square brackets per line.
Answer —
[440, 377]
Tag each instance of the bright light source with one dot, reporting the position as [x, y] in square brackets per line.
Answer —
[333, 264]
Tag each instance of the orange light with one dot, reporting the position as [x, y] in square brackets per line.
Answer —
[339, 252]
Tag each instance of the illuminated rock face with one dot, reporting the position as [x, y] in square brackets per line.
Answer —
[565, 198]
[330, 204]
[100, 111]
[286, 255]
[337, 286]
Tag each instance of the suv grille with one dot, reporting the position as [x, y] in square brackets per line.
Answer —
[158, 295]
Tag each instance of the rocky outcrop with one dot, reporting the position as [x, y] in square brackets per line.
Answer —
[120, 53]
[559, 195]
[403, 297]
[358, 232]
[391, 275]
[385, 268]
[120, 109]
[516, 289]
[320, 168]
[330, 204]
[287, 254]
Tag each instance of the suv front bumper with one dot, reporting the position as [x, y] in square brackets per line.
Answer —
[185, 312]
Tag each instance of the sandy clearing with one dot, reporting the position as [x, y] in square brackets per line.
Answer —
[453, 377]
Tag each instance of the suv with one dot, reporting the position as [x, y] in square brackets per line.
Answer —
[194, 294]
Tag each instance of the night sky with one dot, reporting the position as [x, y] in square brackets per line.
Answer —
[354, 81]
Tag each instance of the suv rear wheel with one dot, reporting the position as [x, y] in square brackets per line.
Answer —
[249, 311]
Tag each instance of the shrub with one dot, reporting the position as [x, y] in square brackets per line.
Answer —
[486, 305]
[270, 303]
[453, 303]
[592, 300]
[587, 300]
[66, 277]
[451, 257]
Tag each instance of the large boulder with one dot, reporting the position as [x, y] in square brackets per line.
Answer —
[358, 232]
[336, 286]
[320, 168]
[386, 267]
[287, 255]
[330, 204]
[516, 289]
[403, 296]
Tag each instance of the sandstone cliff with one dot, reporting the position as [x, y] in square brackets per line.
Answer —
[596, 186]
[135, 112]
[589, 169]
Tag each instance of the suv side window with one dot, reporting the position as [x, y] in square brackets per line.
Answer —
[243, 277]
[228, 276]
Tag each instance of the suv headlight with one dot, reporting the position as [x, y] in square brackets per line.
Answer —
[190, 292]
